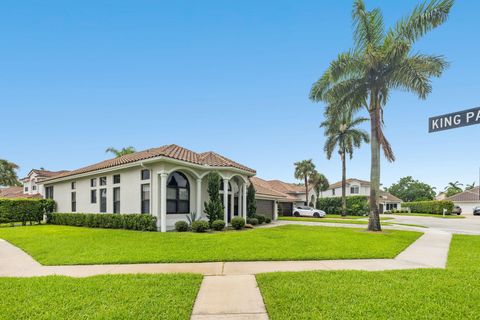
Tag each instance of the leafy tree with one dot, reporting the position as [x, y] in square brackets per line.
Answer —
[342, 133]
[320, 183]
[453, 188]
[251, 202]
[121, 152]
[409, 189]
[8, 174]
[470, 186]
[304, 170]
[213, 207]
[380, 62]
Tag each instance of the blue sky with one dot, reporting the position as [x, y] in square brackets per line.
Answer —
[228, 76]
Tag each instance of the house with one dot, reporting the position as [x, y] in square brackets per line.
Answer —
[269, 200]
[31, 185]
[16, 192]
[466, 200]
[357, 187]
[441, 196]
[167, 182]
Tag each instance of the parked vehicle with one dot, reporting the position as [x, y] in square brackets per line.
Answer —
[457, 210]
[476, 211]
[308, 212]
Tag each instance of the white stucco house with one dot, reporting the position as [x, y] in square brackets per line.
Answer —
[466, 200]
[167, 182]
[31, 183]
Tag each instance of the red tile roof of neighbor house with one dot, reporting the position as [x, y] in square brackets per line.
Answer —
[16, 192]
[468, 195]
[171, 151]
[286, 187]
[263, 187]
[44, 174]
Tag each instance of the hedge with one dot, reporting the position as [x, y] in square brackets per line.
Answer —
[142, 222]
[356, 205]
[24, 210]
[432, 207]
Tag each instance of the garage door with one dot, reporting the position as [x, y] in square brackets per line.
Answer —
[286, 208]
[467, 207]
[265, 208]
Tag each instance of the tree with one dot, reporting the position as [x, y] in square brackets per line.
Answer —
[121, 152]
[453, 188]
[341, 133]
[319, 182]
[8, 174]
[304, 170]
[213, 207]
[470, 186]
[251, 202]
[379, 63]
[409, 189]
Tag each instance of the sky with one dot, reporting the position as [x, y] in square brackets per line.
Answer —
[233, 77]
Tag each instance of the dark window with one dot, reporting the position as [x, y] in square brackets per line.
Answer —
[145, 174]
[178, 193]
[145, 202]
[103, 200]
[221, 186]
[34, 187]
[116, 200]
[74, 185]
[103, 181]
[333, 192]
[116, 178]
[93, 182]
[26, 189]
[93, 196]
[354, 190]
[49, 192]
[74, 201]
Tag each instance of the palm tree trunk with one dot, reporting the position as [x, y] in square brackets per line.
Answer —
[374, 218]
[306, 190]
[344, 185]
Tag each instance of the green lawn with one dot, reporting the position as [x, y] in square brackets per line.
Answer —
[410, 294]
[430, 215]
[63, 245]
[99, 297]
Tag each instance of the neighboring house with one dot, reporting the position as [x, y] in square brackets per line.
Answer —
[16, 192]
[466, 200]
[31, 185]
[267, 198]
[167, 182]
[295, 192]
[357, 187]
[441, 196]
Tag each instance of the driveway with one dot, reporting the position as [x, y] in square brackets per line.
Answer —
[469, 225]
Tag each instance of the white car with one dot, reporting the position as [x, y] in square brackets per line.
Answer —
[308, 212]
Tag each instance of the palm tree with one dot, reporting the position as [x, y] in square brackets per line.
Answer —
[379, 63]
[8, 175]
[319, 182]
[453, 188]
[304, 171]
[470, 186]
[342, 133]
[122, 152]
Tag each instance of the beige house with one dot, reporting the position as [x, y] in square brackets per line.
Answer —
[31, 183]
[168, 182]
[466, 200]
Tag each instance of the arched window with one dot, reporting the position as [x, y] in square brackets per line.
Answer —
[221, 186]
[178, 193]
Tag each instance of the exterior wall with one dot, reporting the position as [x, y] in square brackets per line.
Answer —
[363, 191]
[467, 206]
[31, 184]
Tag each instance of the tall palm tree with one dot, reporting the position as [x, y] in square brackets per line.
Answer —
[470, 186]
[342, 133]
[380, 62]
[8, 174]
[121, 152]
[453, 188]
[304, 170]
[319, 182]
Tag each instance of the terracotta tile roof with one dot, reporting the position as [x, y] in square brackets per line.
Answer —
[16, 192]
[44, 174]
[469, 195]
[286, 187]
[262, 187]
[389, 197]
[169, 151]
[339, 183]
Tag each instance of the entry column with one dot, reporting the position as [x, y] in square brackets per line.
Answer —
[225, 201]
[163, 201]
[199, 198]
[244, 201]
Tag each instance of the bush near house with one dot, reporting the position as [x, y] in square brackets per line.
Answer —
[181, 226]
[238, 223]
[141, 222]
[218, 225]
[431, 207]
[260, 218]
[200, 226]
[24, 210]
[356, 205]
[252, 221]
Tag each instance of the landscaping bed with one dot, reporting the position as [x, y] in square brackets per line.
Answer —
[65, 245]
[99, 297]
[408, 294]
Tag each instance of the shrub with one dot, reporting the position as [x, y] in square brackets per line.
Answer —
[431, 207]
[141, 222]
[260, 218]
[356, 205]
[200, 226]
[218, 225]
[213, 207]
[251, 201]
[238, 223]
[252, 221]
[24, 210]
[181, 226]
[268, 220]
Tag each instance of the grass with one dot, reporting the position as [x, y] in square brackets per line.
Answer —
[430, 215]
[453, 293]
[63, 245]
[99, 297]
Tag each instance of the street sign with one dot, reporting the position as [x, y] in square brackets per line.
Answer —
[454, 120]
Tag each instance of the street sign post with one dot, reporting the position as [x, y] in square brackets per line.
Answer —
[454, 120]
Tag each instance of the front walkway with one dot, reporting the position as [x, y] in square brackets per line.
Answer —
[229, 289]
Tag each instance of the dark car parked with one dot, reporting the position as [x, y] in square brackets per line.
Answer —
[476, 211]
